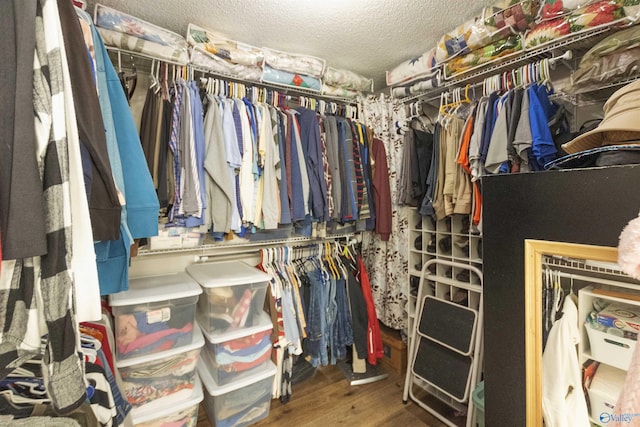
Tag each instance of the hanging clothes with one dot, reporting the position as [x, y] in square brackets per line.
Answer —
[139, 210]
[64, 375]
[104, 204]
[381, 190]
[347, 171]
[283, 181]
[219, 186]
[333, 159]
[405, 189]
[22, 235]
[374, 339]
[563, 402]
[312, 149]
[387, 261]
[420, 160]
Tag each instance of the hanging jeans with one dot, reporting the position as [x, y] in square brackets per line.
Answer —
[331, 312]
[342, 333]
[316, 342]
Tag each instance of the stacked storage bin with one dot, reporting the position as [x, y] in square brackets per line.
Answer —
[235, 367]
[158, 344]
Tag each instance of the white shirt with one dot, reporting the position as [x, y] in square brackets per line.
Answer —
[563, 402]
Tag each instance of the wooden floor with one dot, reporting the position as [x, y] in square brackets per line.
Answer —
[327, 399]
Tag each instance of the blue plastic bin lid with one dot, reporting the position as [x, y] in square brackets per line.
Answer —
[478, 396]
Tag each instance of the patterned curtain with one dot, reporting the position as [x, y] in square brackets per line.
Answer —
[387, 262]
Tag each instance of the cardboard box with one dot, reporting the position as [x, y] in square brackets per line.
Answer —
[395, 350]
[621, 316]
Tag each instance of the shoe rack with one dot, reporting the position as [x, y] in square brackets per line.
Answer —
[451, 239]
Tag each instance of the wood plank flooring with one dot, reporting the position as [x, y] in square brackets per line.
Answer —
[327, 399]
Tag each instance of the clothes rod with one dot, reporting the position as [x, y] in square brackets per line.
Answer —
[287, 90]
[601, 281]
[122, 52]
[222, 248]
[434, 95]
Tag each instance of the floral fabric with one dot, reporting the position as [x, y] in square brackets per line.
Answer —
[604, 12]
[387, 262]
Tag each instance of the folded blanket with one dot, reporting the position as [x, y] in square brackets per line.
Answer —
[493, 24]
[111, 19]
[271, 75]
[294, 63]
[498, 49]
[346, 79]
[416, 87]
[222, 47]
[136, 44]
[613, 58]
[338, 91]
[217, 65]
[413, 69]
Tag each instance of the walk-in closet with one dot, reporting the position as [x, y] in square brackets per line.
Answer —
[363, 213]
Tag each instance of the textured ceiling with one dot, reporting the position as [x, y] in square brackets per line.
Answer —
[365, 36]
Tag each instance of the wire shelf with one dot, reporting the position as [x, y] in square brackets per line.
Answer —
[586, 266]
[244, 245]
[123, 52]
[282, 88]
[118, 54]
[575, 41]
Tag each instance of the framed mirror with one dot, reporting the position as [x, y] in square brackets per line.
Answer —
[538, 254]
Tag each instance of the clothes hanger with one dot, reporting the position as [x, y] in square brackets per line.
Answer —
[332, 265]
[558, 296]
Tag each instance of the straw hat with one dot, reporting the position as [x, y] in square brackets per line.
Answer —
[620, 125]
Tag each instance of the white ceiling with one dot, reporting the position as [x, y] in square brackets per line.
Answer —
[365, 36]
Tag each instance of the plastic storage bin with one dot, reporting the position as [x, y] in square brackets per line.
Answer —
[236, 355]
[233, 296]
[604, 390]
[154, 379]
[610, 349]
[240, 403]
[478, 403]
[157, 313]
[177, 412]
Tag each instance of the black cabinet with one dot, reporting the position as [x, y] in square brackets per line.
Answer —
[589, 206]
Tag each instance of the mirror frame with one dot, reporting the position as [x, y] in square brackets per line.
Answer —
[533, 252]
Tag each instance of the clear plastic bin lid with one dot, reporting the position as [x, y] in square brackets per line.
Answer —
[143, 290]
[215, 390]
[170, 405]
[226, 273]
[263, 324]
